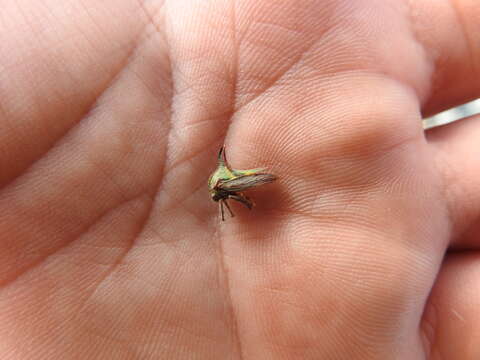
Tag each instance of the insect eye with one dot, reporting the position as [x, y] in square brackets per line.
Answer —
[215, 197]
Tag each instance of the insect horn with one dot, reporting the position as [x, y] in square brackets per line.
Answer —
[222, 158]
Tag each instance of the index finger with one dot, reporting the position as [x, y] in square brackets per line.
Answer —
[449, 30]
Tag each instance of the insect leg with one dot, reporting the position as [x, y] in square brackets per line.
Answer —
[220, 204]
[243, 199]
[228, 207]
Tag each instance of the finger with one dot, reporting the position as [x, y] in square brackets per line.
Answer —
[451, 322]
[456, 152]
[450, 34]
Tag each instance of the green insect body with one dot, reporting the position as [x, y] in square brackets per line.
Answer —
[227, 183]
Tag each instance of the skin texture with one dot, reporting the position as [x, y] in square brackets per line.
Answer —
[111, 116]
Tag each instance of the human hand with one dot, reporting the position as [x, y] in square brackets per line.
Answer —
[112, 114]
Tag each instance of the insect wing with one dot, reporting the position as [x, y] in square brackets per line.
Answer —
[245, 182]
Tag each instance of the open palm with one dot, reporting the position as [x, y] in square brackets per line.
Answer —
[111, 116]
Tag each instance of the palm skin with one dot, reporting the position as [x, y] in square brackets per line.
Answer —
[112, 114]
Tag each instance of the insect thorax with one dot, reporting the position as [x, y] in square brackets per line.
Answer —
[219, 194]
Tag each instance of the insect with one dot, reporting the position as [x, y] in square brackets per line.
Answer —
[227, 183]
